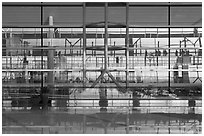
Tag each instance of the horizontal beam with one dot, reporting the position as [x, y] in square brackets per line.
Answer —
[66, 97]
[100, 4]
[118, 69]
[99, 35]
[111, 26]
[100, 48]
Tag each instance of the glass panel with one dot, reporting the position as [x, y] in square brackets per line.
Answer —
[148, 60]
[69, 104]
[186, 60]
[186, 15]
[148, 16]
[21, 65]
[117, 15]
[95, 15]
[21, 16]
[66, 16]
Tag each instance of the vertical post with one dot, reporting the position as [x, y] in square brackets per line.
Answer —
[180, 52]
[50, 57]
[84, 43]
[158, 54]
[185, 42]
[41, 46]
[145, 57]
[199, 39]
[106, 36]
[169, 36]
[140, 47]
[136, 49]
[127, 44]
[92, 52]
[114, 50]
[80, 47]
[65, 50]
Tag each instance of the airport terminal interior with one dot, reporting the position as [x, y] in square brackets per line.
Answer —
[102, 67]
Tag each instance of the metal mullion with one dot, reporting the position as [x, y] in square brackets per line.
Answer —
[169, 36]
[106, 36]
[127, 44]
[41, 46]
[84, 43]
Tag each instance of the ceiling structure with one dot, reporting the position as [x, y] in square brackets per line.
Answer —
[70, 14]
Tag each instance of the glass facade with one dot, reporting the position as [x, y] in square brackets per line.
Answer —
[122, 60]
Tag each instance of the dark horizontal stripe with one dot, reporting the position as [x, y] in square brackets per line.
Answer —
[138, 98]
[152, 26]
[99, 4]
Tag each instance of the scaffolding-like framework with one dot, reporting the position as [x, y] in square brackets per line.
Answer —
[69, 60]
[104, 48]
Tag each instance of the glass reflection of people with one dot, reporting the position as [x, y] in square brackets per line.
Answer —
[182, 52]
[156, 53]
[187, 53]
[146, 53]
[117, 61]
[200, 52]
[176, 53]
[159, 52]
[164, 52]
[150, 58]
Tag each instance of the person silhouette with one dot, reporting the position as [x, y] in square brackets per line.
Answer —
[164, 52]
[176, 53]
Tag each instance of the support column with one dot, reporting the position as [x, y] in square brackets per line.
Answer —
[84, 44]
[169, 65]
[127, 45]
[50, 58]
[41, 46]
[106, 37]
[169, 42]
[140, 47]
[158, 54]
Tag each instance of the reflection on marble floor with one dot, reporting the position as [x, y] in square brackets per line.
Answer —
[94, 111]
[102, 120]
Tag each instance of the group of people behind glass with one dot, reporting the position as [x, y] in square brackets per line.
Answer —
[182, 53]
[157, 53]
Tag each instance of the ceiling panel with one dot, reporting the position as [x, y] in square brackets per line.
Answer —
[186, 16]
[63, 15]
[21, 16]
